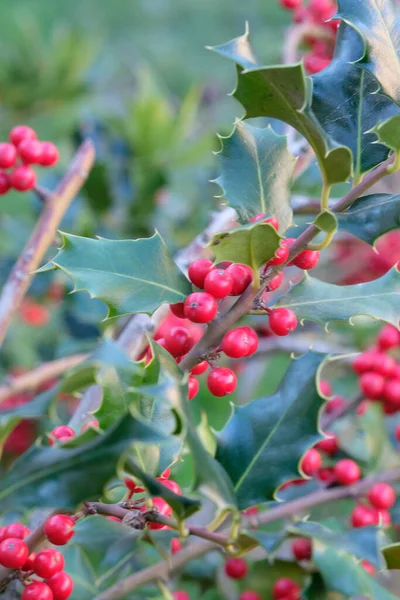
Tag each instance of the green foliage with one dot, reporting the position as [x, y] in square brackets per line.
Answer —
[372, 216]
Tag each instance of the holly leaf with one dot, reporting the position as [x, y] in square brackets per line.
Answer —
[285, 93]
[323, 303]
[252, 244]
[256, 173]
[261, 446]
[326, 222]
[378, 22]
[391, 554]
[372, 216]
[388, 132]
[130, 276]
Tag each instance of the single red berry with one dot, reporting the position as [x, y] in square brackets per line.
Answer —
[262, 217]
[275, 282]
[178, 309]
[397, 433]
[61, 585]
[48, 562]
[249, 595]
[38, 590]
[30, 152]
[17, 530]
[13, 553]
[21, 132]
[372, 385]
[221, 381]
[28, 566]
[198, 270]
[334, 404]
[240, 342]
[329, 445]
[163, 508]
[242, 276]
[171, 485]
[311, 462]
[300, 14]
[302, 549]
[370, 569]
[284, 588]
[93, 423]
[5, 184]
[389, 337]
[326, 474]
[50, 154]
[176, 545]
[308, 259]
[8, 155]
[382, 496]
[322, 9]
[347, 471]
[218, 283]
[200, 368]
[259, 217]
[391, 392]
[180, 595]
[200, 307]
[282, 321]
[178, 341]
[236, 568]
[281, 256]
[326, 388]
[384, 364]
[314, 63]
[291, 4]
[62, 433]
[363, 516]
[193, 387]
[34, 314]
[363, 362]
[22, 178]
[59, 529]
[3, 533]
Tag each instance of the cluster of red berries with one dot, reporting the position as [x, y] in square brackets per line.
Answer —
[283, 588]
[379, 372]
[23, 150]
[48, 564]
[318, 12]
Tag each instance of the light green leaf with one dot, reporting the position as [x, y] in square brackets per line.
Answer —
[130, 276]
[256, 173]
[326, 221]
[388, 132]
[264, 441]
[323, 303]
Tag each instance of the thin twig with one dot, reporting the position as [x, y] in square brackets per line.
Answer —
[43, 235]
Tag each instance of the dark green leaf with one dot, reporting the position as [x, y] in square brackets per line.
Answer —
[130, 276]
[371, 216]
[391, 555]
[323, 303]
[285, 93]
[256, 173]
[262, 444]
[269, 540]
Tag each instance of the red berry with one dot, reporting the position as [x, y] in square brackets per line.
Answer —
[308, 259]
[291, 4]
[22, 178]
[62, 433]
[200, 368]
[391, 392]
[236, 568]
[311, 462]
[5, 184]
[200, 307]
[281, 256]
[17, 530]
[335, 404]
[347, 471]
[3, 533]
[61, 585]
[163, 508]
[21, 132]
[30, 152]
[38, 590]
[48, 562]
[285, 587]
[59, 529]
[397, 433]
[180, 595]
[363, 516]
[242, 276]
[240, 342]
[49, 155]
[314, 63]
[178, 341]
[282, 321]
[389, 337]
[368, 567]
[28, 566]
[326, 388]
[329, 445]
[93, 423]
[249, 595]
[322, 9]
[363, 362]
[178, 309]
[193, 387]
[176, 545]
[271, 220]
[34, 314]
[13, 553]
[221, 381]
[275, 282]
[198, 270]
[384, 364]
[372, 385]
[302, 549]
[326, 475]
[382, 496]
[171, 485]
[218, 283]
[8, 155]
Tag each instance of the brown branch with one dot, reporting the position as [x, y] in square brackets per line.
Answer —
[43, 235]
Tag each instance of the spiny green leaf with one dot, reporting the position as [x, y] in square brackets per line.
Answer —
[371, 216]
[323, 303]
[256, 173]
[262, 444]
[388, 132]
[285, 93]
[252, 244]
[130, 276]
[326, 221]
